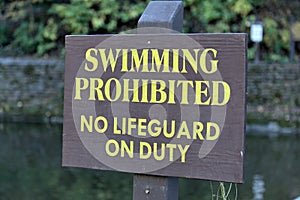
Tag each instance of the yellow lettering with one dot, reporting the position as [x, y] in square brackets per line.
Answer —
[108, 90]
[95, 85]
[131, 125]
[183, 131]
[142, 150]
[92, 59]
[197, 130]
[193, 60]
[171, 88]
[105, 124]
[157, 61]
[214, 63]
[157, 129]
[183, 151]
[157, 87]
[134, 90]
[141, 127]
[116, 146]
[124, 60]
[184, 90]
[109, 59]
[116, 130]
[171, 151]
[124, 125]
[172, 131]
[137, 61]
[209, 135]
[79, 87]
[144, 91]
[201, 91]
[175, 61]
[127, 149]
[216, 93]
[162, 151]
[85, 123]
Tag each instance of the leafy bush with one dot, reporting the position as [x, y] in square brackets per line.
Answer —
[39, 26]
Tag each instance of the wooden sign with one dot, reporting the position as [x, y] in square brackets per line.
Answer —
[170, 105]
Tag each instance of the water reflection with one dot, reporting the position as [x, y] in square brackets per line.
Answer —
[30, 168]
[258, 187]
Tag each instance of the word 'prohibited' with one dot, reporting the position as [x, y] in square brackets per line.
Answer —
[171, 105]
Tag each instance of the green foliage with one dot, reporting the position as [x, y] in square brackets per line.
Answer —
[3, 33]
[28, 36]
[237, 15]
[82, 17]
[217, 16]
[224, 191]
[39, 26]
[32, 32]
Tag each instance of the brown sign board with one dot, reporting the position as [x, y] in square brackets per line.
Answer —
[168, 105]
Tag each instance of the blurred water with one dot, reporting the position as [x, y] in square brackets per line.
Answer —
[258, 187]
[30, 168]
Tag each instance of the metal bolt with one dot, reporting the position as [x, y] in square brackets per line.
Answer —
[147, 191]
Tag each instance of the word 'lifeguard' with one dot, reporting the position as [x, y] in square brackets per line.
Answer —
[142, 127]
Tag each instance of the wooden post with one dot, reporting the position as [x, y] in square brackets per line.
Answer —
[257, 52]
[292, 41]
[155, 187]
[169, 15]
[163, 14]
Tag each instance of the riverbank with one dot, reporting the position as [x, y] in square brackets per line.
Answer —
[32, 91]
